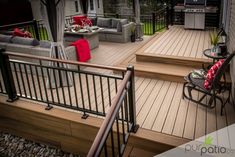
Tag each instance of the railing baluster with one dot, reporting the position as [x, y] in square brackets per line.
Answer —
[81, 89]
[27, 79]
[56, 86]
[88, 91]
[94, 85]
[112, 142]
[50, 87]
[17, 79]
[118, 136]
[61, 86]
[38, 81]
[44, 85]
[109, 92]
[22, 79]
[75, 90]
[32, 77]
[102, 94]
[68, 86]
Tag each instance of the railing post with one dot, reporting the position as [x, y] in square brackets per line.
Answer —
[132, 102]
[153, 22]
[35, 25]
[7, 76]
[167, 17]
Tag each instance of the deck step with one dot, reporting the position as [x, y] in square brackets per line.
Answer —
[161, 71]
[174, 60]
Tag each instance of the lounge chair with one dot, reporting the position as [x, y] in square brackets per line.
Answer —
[216, 88]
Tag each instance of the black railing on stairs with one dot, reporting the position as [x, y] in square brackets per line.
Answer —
[118, 123]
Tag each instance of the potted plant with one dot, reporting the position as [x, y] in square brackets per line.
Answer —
[133, 34]
[214, 37]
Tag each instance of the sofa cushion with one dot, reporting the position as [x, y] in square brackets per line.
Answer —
[25, 41]
[5, 32]
[110, 31]
[45, 44]
[5, 38]
[120, 24]
[104, 22]
[115, 22]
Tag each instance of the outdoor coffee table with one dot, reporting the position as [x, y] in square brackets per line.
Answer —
[92, 37]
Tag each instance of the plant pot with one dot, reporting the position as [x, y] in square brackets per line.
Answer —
[133, 38]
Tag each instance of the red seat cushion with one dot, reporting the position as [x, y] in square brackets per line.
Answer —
[211, 74]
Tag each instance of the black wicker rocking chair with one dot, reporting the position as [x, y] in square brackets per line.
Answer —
[216, 87]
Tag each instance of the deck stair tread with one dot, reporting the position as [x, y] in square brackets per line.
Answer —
[165, 71]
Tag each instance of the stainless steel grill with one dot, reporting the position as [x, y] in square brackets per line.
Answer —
[194, 14]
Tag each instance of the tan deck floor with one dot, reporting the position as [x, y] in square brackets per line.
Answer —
[158, 103]
[180, 42]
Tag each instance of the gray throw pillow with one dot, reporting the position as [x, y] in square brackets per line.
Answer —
[120, 24]
[5, 38]
[115, 22]
[104, 22]
[25, 41]
[45, 44]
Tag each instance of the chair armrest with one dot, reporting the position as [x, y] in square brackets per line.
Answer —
[126, 29]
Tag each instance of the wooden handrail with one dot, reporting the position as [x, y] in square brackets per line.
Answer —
[109, 119]
[65, 61]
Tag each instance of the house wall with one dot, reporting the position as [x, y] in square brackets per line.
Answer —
[231, 42]
[70, 8]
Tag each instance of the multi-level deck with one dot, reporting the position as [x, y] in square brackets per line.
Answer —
[164, 117]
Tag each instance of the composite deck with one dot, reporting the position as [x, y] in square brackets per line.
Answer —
[159, 105]
[179, 42]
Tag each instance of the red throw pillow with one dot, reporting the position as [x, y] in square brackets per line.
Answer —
[19, 33]
[78, 19]
[211, 73]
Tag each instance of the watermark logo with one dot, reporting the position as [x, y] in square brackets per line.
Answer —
[207, 148]
[208, 141]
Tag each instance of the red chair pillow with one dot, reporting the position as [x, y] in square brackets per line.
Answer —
[19, 33]
[211, 74]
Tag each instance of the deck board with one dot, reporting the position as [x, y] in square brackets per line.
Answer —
[180, 42]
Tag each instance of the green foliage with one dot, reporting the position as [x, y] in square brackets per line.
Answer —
[208, 140]
[214, 37]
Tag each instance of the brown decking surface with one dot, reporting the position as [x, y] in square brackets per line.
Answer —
[159, 106]
[179, 42]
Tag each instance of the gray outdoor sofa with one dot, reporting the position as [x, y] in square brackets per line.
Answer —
[113, 29]
[32, 46]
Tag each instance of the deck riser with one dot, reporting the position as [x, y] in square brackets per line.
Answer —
[168, 60]
[165, 77]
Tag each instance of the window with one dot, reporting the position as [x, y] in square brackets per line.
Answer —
[91, 4]
[76, 6]
[98, 3]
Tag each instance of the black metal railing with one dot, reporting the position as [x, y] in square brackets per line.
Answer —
[42, 30]
[120, 120]
[30, 26]
[34, 78]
